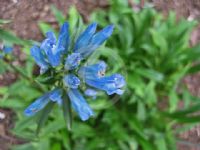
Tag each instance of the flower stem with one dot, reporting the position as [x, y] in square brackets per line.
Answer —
[68, 117]
[38, 85]
[71, 142]
[67, 110]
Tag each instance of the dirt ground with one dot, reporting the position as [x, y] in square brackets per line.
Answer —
[25, 16]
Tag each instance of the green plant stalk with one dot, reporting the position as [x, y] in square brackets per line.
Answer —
[68, 118]
[39, 87]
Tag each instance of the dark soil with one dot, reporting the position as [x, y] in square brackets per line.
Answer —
[25, 16]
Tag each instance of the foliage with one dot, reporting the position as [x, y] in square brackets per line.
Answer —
[155, 55]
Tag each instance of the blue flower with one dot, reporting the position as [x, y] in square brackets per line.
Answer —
[72, 61]
[64, 62]
[85, 37]
[79, 104]
[88, 41]
[111, 84]
[51, 50]
[93, 75]
[40, 59]
[41, 102]
[93, 71]
[71, 81]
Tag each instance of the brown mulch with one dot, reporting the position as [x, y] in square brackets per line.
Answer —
[25, 16]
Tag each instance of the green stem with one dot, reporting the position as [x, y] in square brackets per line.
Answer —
[71, 143]
[38, 85]
[68, 117]
[67, 110]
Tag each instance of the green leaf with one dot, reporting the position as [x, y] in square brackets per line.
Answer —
[150, 93]
[151, 74]
[58, 14]
[173, 100]
[3, 21]
[161, 143]
[28, 146]
[141, 111]
[44, 27]
[67, 111]
[3, 90]
[44, 115]
[159, 41]
[184, 112]
[73, 17]
[10, 37]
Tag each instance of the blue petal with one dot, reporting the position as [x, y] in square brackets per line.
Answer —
[79, 104]
[93, 71]
[102, 35]
[87, 50]
[85, 37]
[52, 52]
[71, 81]
[91, 93]
[72, 61]
[63, 38]
[111, 84]
[7, 49]
[38, 105]
[49, 43]
[54, 59]
[39, 58]
[51, 36]
[56, 96]
[96, 41]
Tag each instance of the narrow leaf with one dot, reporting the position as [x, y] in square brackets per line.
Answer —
[44, 115]
[67, 111]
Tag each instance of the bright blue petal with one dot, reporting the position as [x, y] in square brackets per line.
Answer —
[85, 37]
[72, 61]
[111, 84]
[63, 38]
[93, 71]
[87, 50]
[7, 49]
[49, 46]
[102, 35]
[39, 58]
[38, 105]
[51, 36]
[71, 81]
[91, 93]
[54, 59]
[56, 95]
[79, 104]
[96, 41]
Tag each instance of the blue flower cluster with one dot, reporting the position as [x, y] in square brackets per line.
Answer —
[58, 53]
